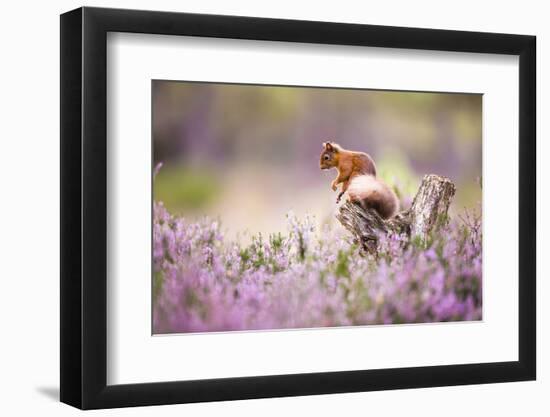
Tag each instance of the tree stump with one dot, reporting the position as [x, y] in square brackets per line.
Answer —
[426, 214]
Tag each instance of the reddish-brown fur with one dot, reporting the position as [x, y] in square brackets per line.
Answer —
[358, 170]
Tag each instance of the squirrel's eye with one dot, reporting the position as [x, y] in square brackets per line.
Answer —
[327, 157]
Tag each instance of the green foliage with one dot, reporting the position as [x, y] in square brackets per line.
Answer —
[260, 254]
[158, 278]
[244, 254]
[182, 188]
[394, 169]
[342, 264]
[276, 241]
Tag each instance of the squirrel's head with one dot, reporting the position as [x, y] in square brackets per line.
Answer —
[329, 156]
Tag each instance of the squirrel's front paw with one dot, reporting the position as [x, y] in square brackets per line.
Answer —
[334, 187]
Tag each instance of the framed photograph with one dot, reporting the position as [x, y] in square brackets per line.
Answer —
[257, 207]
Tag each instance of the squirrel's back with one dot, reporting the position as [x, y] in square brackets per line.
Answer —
[373, 193]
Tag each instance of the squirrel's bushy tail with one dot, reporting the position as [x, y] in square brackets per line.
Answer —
[373, 193]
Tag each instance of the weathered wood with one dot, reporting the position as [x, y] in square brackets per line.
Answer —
[430, 205]
[427, 212]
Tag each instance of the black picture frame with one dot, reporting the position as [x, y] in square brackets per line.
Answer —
[84, 207]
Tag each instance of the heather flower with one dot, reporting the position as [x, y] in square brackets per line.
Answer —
[309, 278]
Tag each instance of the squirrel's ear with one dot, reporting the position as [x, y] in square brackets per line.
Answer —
[328, 146]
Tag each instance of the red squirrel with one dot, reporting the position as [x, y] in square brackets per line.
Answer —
[357, 173]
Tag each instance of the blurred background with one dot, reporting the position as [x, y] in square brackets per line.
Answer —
[248, 154]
